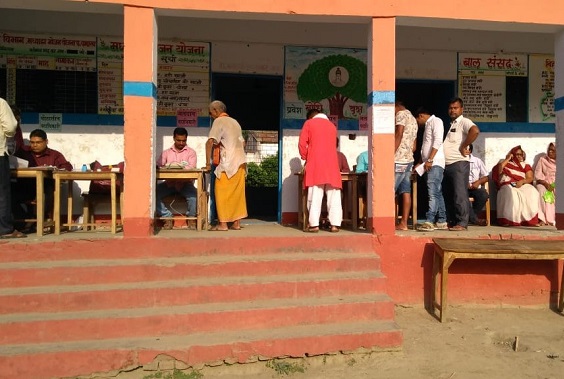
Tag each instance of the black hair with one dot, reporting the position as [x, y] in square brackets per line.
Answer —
[38, 133]
[180, 132]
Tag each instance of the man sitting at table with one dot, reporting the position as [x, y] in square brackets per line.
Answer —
[180, 156]
[37, 154]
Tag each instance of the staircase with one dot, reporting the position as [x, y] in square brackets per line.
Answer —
[72, 308]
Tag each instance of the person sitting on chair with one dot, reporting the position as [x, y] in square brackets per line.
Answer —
[478, 176]
[37, 154]
[182, 156]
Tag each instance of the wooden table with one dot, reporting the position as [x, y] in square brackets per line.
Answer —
[69, 177]
[202, 196]
[449, 249]
[350, 199]
[40, 174]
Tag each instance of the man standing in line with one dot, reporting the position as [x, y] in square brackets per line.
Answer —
[433, 159]
[461, 134]
[230, 173]
[317, 147]
[8, 125]
[182, 155]
[405, 144]
[478, 176]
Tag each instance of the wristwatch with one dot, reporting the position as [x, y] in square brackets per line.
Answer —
[430, 160]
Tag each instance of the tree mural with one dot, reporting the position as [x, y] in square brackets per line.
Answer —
[336, 78]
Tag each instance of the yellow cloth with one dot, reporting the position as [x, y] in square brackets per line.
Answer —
[230, 196]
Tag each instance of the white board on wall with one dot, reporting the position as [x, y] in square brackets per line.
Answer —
[247, 58]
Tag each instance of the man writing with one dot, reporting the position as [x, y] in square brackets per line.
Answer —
[182, 156]
[37, 154]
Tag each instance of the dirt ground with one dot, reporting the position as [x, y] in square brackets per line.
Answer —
[474, 343]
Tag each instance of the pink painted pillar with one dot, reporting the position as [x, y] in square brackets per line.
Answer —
[381, 118]
[140, 106]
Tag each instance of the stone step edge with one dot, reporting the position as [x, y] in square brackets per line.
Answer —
[200, 281]
[192, 259]
[206, 339]
[240, 306]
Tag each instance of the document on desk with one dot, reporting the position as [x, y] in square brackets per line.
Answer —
[420, 170]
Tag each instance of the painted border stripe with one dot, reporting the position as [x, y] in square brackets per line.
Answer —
[381, 97]
[143, 89]
[559, 104]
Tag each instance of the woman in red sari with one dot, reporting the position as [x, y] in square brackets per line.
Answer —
[517, 199]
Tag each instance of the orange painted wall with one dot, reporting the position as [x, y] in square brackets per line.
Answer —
[407, 263]
[140, 39]
[545, 11]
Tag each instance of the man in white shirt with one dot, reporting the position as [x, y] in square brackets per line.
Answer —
[461, 134]
[433, 160]
[478, 176]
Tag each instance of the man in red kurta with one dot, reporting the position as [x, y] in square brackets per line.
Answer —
[321, 173]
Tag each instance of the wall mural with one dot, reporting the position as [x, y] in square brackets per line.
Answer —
[332, 80]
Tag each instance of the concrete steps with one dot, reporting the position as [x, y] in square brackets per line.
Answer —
[65, 315]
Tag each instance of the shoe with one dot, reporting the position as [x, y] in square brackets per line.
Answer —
[168, 224]
[441, 226]
[458, 228]
[426, 227]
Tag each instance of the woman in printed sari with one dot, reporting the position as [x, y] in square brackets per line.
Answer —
[545, 175]
[517, 199]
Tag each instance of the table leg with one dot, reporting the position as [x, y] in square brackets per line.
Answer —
[435, 282]
[561, 295]
[200, 212]
[113, 202]
[354, 198]
[57, 206]
[40, 202]
[69, 203]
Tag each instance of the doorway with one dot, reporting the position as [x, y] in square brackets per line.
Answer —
[434, 96]
[255, 102]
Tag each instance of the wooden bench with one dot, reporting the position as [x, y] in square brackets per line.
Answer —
[447, 250]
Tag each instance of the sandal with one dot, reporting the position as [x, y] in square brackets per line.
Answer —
[334, 229]
[217, 229]
[168, 225]
[314, 229]
[458, 228]
[14, 234]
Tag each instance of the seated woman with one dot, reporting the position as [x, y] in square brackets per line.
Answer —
[545, 175]
[517, 199]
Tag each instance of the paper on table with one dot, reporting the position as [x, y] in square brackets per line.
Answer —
[420, 170]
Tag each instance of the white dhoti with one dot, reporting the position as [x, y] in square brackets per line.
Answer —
[334, 206]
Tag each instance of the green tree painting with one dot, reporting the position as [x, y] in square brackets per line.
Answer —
[336, 78]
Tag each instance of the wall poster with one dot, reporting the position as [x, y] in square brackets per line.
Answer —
[333, 80]
[482, 83]
[183, 77]
[541, 88]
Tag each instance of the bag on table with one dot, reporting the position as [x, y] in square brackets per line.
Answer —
[104, 186]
